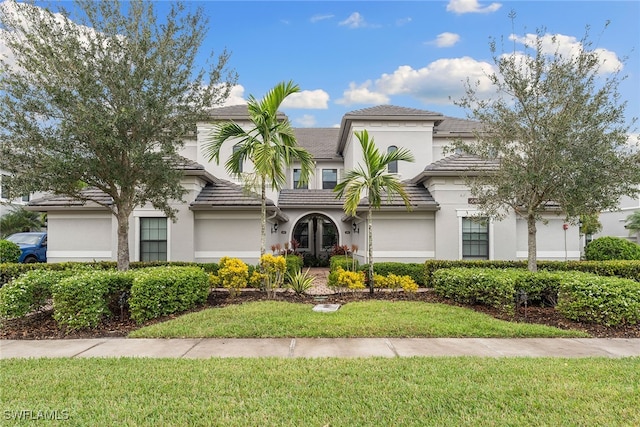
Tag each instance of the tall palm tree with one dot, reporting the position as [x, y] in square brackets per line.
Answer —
[633, 224]
[270, 145]
[373, 180]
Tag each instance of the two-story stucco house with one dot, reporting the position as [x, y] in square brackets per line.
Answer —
[219, 219]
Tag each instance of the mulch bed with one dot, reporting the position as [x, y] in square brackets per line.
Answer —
[42, 326]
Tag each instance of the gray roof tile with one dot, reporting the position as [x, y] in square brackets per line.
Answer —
[234, 112]
[456, 125]
[462, 163]
[224, 193]
[85, 195]
[394, 111]
[320, 142]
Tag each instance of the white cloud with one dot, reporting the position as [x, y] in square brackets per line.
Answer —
[403, 21]
[569, 46]
[437, 82]
[318, 18]
[236, 97]
[310, 99]
[306, 121]
[362, 95]
[355, 20]
[471, 6]
[445, 40]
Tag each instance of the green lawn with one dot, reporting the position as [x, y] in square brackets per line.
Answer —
[324, 392]
[357, 319]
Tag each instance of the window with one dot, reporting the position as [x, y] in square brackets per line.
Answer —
[329, 179]
[475, 238]
[26, 197]
[329, 235]
[301, 234]
[296, 180]
[153, 239]
[393, 166]
[237, 148]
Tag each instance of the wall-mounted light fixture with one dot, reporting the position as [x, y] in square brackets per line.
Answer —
[274, 228]
[356, 229]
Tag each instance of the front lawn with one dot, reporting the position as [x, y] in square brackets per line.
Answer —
[276, 319]
[323, 392]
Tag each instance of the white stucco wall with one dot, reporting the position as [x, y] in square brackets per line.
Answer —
[80, 236]
[227, 233]
[613, 222]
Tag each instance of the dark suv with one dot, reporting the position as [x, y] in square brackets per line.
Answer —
[33, 246]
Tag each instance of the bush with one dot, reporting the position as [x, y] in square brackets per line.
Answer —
[28, 292]
[9, 251]
[395, 282]
[495, 288]
[294, 264]
[160, 291]
[346, 279]
[611, 248]
[415, 271]
[233, 274]
[82, 300]
[300, 281]
[274, 269]
[345, 263]
[610, 301]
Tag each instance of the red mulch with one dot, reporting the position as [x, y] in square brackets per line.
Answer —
[42, 326]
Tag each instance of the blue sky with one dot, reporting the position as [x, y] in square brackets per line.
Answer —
[349, 55]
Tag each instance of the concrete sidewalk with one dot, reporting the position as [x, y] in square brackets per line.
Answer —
[198, 348]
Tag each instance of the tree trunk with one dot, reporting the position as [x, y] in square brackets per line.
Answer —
[123, 240]
[370, 231]
[532, 260]
[263, 217]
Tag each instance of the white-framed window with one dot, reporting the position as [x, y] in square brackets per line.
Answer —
[329, 179]
[475, 238]
[296, 180]
[153, 239]
[393, 166]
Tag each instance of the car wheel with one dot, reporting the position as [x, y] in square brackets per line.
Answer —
[30, 259]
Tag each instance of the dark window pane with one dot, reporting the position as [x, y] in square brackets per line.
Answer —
[296, 180]
[393, 166]
[153, 239]
[329, 178]
[475, 238]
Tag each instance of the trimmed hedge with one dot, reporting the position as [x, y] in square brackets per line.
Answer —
[611, 248]
[164, 290]
[9, 251]
[9, 271]
[82, 300]
[610, 301]
[619, 268]
[343, 262]
[28, 292]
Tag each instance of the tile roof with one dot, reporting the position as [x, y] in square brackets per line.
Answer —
[234, 112]
[101, 198]
[320, 142]
[393, 111]
[457, 126]
[224, 193]
[293, 198]
[290, 198]
[462, 163]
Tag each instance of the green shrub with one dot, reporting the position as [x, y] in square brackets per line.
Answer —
[9, 251]
[294, 264]
[300, 281]
[340, 261]
[159, 291]
[28, 292]
[414, 270]
[610, 301]
[352, 280]
[395, 282]
[495, 288]
[82, 300]
[611, 248]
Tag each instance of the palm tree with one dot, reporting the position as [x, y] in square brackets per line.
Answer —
[372, 180]
[18, 220]
[270, 145]
[633, 224]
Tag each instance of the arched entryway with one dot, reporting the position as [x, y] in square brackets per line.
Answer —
[317, 234]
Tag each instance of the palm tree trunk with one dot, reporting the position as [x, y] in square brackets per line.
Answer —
[263, 217]
[370, 231]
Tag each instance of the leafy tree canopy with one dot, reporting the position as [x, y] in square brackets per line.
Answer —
[100, 96]
[557, 126]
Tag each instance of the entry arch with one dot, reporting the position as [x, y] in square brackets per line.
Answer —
[316, 233]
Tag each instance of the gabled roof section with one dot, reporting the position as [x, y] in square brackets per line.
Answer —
[384, 113]
[234, 113]
[458, 165]
[320, 142]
